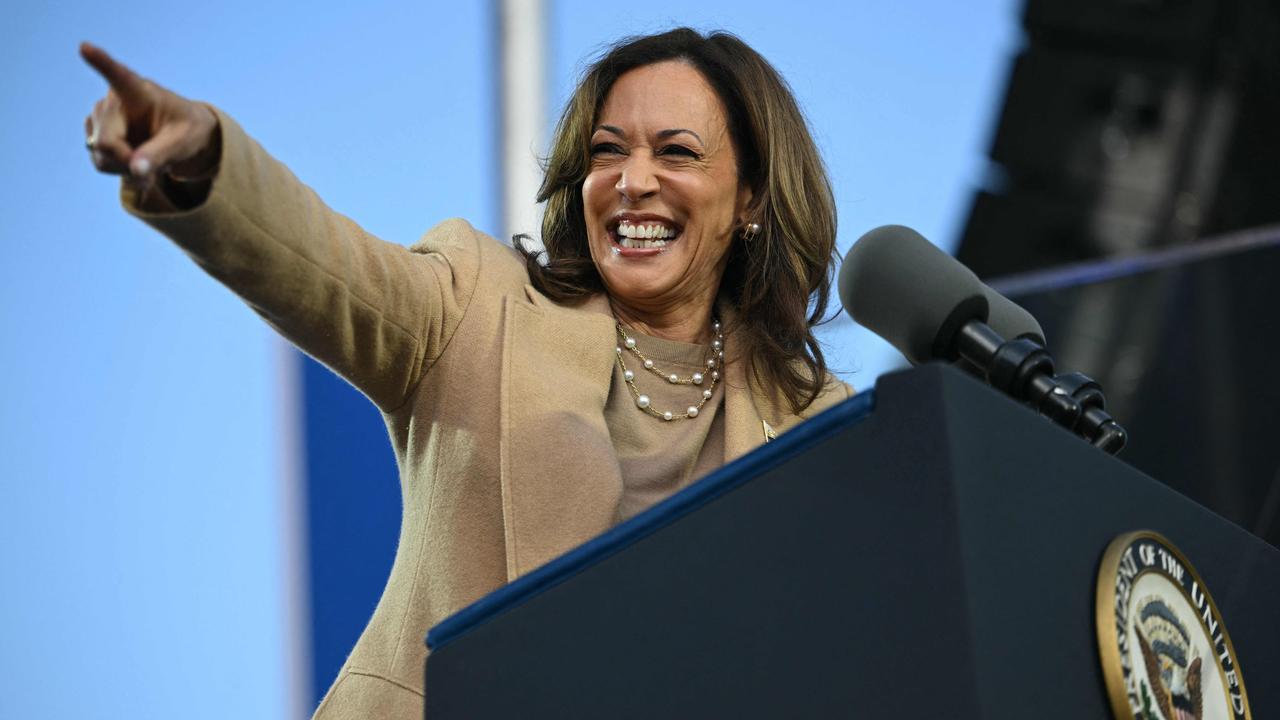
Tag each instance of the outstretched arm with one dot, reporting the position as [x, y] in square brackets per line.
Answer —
[373, 311]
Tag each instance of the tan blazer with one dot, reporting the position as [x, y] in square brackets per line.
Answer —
[493, 395]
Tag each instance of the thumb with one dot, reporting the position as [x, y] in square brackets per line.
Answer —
[165, 147]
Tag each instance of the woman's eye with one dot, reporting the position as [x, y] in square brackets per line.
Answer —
[605, 149]
[679, 150]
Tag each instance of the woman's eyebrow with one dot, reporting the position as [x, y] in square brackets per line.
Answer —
[664, 134]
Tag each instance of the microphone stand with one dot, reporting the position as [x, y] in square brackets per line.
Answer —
[1023, 370]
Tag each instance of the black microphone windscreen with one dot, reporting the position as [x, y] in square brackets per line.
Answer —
[1010, 320]
[901, 287]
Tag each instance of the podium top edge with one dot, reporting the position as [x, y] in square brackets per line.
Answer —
[683, 502]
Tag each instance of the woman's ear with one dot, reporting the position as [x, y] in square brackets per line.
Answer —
[744, 203]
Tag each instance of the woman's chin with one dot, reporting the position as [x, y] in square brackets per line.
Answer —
[639, 283]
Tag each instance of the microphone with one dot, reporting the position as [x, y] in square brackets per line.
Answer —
[1010, 320]
[900, 286]
[930, 307]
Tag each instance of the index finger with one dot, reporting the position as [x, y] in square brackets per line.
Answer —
[127, 84]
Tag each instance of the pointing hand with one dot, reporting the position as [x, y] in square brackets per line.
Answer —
[140, 128]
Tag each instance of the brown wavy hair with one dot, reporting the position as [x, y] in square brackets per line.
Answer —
[780, 280]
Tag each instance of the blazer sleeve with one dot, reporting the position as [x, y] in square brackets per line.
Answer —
[375, 312]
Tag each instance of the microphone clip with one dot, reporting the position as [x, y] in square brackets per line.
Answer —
[1024, 370]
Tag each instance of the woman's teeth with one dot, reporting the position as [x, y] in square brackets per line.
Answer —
[629, 243]
[644, 236]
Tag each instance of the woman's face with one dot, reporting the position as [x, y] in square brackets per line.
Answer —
[662, 198]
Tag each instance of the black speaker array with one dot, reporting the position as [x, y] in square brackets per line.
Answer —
[1127, 125]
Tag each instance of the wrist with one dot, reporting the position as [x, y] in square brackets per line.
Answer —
[201, 167]
[189, 177]
[185, 194]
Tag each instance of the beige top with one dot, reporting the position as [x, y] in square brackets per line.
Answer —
[658, 457]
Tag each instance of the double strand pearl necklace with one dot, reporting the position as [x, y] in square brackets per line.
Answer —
[643, 402]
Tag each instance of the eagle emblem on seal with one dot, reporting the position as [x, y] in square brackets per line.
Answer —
[1172, 662]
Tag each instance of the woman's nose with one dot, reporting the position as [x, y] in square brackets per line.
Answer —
[637, 179]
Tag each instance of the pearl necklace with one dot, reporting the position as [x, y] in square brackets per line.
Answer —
[643, 402]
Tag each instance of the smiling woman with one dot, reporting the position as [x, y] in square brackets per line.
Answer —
[680, 129]
[689, 233]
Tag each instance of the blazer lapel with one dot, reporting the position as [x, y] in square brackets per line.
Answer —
[753, 415]
[560, 478]
[744, 428]
[746, 411]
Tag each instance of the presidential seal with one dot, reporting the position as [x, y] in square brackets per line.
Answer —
[1165, 653]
